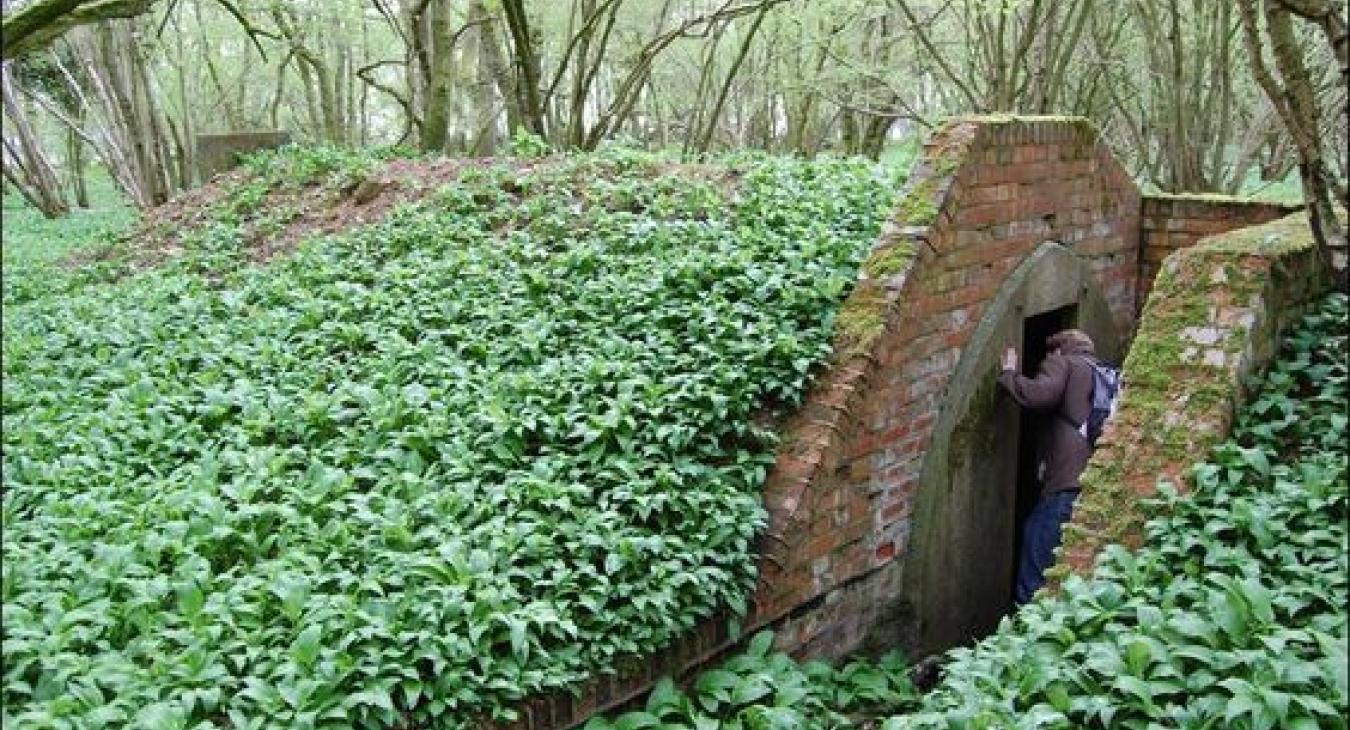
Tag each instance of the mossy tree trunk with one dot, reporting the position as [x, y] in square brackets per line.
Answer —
[433, 32]
[37, 22]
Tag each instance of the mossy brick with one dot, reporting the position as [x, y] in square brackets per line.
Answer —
[1174, 408]
[888, 261]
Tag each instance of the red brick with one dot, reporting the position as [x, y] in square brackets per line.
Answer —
[992, 251]
[894, 511]
[993, 174]
[885, 551]
[983, 215]
[1094, 247]
[926, 345]
[850, 563]
[968, 295]
[1077, 168]
[897, 433]
[952, 279]
[1029, 153]
[1031, 172]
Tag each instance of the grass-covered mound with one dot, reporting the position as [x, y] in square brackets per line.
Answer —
[417, 471]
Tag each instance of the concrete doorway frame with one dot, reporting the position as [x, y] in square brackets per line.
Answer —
[961, 553]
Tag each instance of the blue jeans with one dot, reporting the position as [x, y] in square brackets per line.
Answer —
[1040, 537]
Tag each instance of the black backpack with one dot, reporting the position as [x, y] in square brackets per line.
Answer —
[1106, 382]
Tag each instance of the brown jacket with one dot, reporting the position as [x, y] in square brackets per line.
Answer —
[1062, 393]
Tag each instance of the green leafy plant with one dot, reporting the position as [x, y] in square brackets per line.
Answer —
[528, 144]
[761, 689]
[35, 248]
[419, 471]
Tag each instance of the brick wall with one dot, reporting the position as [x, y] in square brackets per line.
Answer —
[1215, 316]
[840, 498]
[1173, 222]
[987, 192]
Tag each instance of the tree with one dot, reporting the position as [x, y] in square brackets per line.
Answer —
[1268, 25]
[37, 23]
[1190, 124]
[26, 164]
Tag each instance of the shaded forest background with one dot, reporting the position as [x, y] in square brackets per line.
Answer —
[1223, 96]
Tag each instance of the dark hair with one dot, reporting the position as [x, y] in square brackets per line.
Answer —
[1070, 339]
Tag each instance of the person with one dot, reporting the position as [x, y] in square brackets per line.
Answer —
[1061, 390]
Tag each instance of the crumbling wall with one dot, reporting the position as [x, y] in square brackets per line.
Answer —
[1172, 222]
[1214, 317]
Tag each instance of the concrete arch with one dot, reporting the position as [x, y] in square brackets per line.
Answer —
[957, 583]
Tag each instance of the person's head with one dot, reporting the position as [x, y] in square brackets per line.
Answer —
[1070, 342]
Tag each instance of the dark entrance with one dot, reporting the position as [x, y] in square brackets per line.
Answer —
[1035, 330]
[958, 573]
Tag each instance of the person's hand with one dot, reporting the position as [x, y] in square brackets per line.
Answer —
[1010, 358]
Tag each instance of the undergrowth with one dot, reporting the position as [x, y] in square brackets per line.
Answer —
[486, 448]
[34, 247]
[760, 689]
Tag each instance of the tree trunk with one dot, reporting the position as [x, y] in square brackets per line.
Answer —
[436, 115]
[525, 66]
[131, 138]
[76, 168]
[319, 82]
[484, 84]
[1293, 98]
[26, 164]
[711, 126]
[495, 62]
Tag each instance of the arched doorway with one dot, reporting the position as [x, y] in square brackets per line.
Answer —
[975, 487]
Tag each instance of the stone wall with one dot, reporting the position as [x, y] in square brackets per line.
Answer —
[217, 153]
[1214, 318]
[1173, 222]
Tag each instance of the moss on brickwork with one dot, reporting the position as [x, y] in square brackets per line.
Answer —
[919, 207]
[1274, 239]
[1218, 198]
[1175, 405]
[1081, 123]
[946, 163]
[890, 260]
[862, 319]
